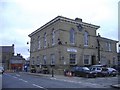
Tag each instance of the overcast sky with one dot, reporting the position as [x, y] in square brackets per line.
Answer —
[19, 18]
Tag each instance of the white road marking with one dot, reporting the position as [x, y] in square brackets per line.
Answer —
[37, 86]
[14, 77]
[53, 78]
[87, 83]
[18, 75]
[23, 80]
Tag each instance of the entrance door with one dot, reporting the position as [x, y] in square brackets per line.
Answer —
[93, 60]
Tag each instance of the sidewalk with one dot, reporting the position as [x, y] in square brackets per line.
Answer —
[116, 86]
[50, 75]
[77, 80]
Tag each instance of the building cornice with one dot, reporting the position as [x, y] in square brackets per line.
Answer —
[64, 19]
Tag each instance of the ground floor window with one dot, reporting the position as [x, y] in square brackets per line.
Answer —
[52, 59]
[72, 58]
[86, 59]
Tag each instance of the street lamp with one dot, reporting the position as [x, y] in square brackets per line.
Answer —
[52, 70]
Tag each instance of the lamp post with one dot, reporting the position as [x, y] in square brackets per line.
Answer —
[52, 70]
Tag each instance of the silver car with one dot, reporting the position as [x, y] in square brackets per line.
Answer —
[112, 71]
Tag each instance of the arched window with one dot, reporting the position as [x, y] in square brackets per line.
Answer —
[86, 38]
[72, 36]
[45, 39]
[53, 37]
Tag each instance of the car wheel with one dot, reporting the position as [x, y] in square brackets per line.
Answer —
[114, 75]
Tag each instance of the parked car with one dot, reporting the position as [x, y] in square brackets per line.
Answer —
[99, 70]
[112, 71]
[117, 67]
[82, 71]
[1, 70]
[33, 70]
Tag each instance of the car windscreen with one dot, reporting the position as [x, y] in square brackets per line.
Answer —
[86, 69]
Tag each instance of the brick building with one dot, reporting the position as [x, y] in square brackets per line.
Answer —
[17, 62]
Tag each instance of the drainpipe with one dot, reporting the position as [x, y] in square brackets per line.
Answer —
[98, 48]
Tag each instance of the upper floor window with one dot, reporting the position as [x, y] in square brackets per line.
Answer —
[39, 44]
[53, 37]
[72, 36]
[86, 38]
[108, 46]
[45, 39]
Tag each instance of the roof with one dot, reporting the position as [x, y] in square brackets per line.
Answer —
[7, 49]
[17, 57]
[64, 19]
[106, 39]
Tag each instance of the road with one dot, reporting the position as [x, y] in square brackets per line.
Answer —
[22, 80]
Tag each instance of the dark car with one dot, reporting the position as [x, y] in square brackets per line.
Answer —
[82, 71]
[99, 70]
[33, 70]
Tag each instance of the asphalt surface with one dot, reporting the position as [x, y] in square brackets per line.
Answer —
[27, 80]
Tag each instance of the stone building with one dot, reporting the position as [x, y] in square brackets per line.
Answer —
[6, 52]
[64, 43]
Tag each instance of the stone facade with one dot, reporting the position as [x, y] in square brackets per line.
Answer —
[6, 52]
[64, 43]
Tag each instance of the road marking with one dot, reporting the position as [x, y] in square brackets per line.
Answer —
[37, 86]
[23, 80]
[18, 75]
[53, 78]
[14, 77]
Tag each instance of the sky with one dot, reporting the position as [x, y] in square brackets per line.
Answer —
[19, 18]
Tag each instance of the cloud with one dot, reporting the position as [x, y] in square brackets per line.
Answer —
[20, 18]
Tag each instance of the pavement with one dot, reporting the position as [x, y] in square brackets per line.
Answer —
[64, 78]
[116, 86]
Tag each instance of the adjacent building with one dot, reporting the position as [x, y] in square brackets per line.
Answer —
[64, 43]
[17, 62]
[6, 52]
